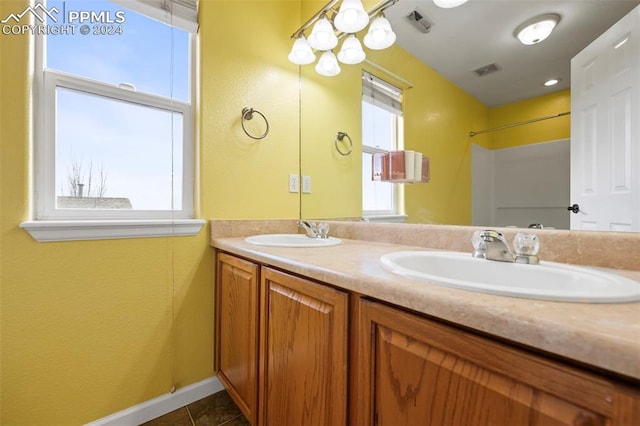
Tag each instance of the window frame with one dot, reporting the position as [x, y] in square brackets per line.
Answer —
[53, 80]
[397, 132]
[395, 188]
[51, 224]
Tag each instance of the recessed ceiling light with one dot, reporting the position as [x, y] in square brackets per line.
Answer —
[535, 30]
[552, 82]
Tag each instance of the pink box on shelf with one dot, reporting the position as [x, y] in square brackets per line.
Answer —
[396, 165]
[426, 173]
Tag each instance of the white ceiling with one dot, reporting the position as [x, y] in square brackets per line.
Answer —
[481, 32]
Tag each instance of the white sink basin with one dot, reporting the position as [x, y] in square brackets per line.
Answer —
[546, 281]
[291, 240]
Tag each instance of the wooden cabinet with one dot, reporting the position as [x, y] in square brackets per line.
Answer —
[236, 300]
[303, 363]
[281, 345]
[284, 354]
[413, 371]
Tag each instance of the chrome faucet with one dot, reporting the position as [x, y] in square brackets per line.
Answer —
[491, 245]
[496, 247]
[313, 230]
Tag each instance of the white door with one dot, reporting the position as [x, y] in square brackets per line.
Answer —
[605, 130]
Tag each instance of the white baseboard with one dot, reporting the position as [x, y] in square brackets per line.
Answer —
[161, 405]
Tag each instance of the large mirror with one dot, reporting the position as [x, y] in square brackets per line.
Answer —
[517, 175]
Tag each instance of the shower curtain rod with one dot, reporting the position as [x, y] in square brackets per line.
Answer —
[520, 123]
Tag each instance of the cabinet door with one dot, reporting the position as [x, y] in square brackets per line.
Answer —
[415, 371]
[237, 331]
[303, 364]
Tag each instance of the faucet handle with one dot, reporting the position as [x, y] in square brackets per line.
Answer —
[323, 230]
[526, 247]
[526, 244]
[479, 244]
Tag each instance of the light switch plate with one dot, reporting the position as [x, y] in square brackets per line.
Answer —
[306, 184]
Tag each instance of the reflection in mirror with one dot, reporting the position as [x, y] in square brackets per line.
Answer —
[487, 179]
[382, 133]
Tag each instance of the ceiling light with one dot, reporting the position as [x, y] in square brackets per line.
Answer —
[552, 82]
[351, 17]
[322, 36]
[447, 4]
[328, 25]
[351, 51]
[301, 52]
[328, 65]
[537, 29]
[380, 35]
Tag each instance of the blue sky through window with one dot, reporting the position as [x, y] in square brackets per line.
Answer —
[139, 148]
[377, 132]
[141, 55]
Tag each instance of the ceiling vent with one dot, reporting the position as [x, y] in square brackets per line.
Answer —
[420, 21]
[487, 69]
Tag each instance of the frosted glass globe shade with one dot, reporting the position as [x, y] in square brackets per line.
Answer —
[351, 51]
[328, 65]
[537, 31]
[380, 35]
[322, 36]
[301, 53]
[351, 17]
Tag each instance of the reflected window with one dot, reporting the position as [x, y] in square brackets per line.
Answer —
[382, 130]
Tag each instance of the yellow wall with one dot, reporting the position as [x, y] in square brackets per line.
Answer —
[244, 64]
[330, 105]
[438, 116]
[541, 131]
[87, 326]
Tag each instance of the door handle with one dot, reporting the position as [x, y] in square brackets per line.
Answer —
[574, 208]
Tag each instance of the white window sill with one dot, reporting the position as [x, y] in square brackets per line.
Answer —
[391, 218]
[77, 230]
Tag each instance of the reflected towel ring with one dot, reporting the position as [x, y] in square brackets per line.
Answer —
[340, 138]
[247, 114]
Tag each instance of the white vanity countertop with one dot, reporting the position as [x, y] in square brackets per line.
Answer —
[603, 335]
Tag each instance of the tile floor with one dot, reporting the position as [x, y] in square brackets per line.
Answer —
[215, 410]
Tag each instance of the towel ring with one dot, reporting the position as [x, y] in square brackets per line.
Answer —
[340, 138]
[247, 114]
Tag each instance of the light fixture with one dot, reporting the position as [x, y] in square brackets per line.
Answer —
[535, 30]
[552, 82]
[351, 51]
[380, 35]
[331, 23]
[351, 17]
[447, 4]
[328, 65]
[301, 52]
[322, 36]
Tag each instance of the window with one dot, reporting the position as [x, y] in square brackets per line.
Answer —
[382, 130]
[114, 119]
